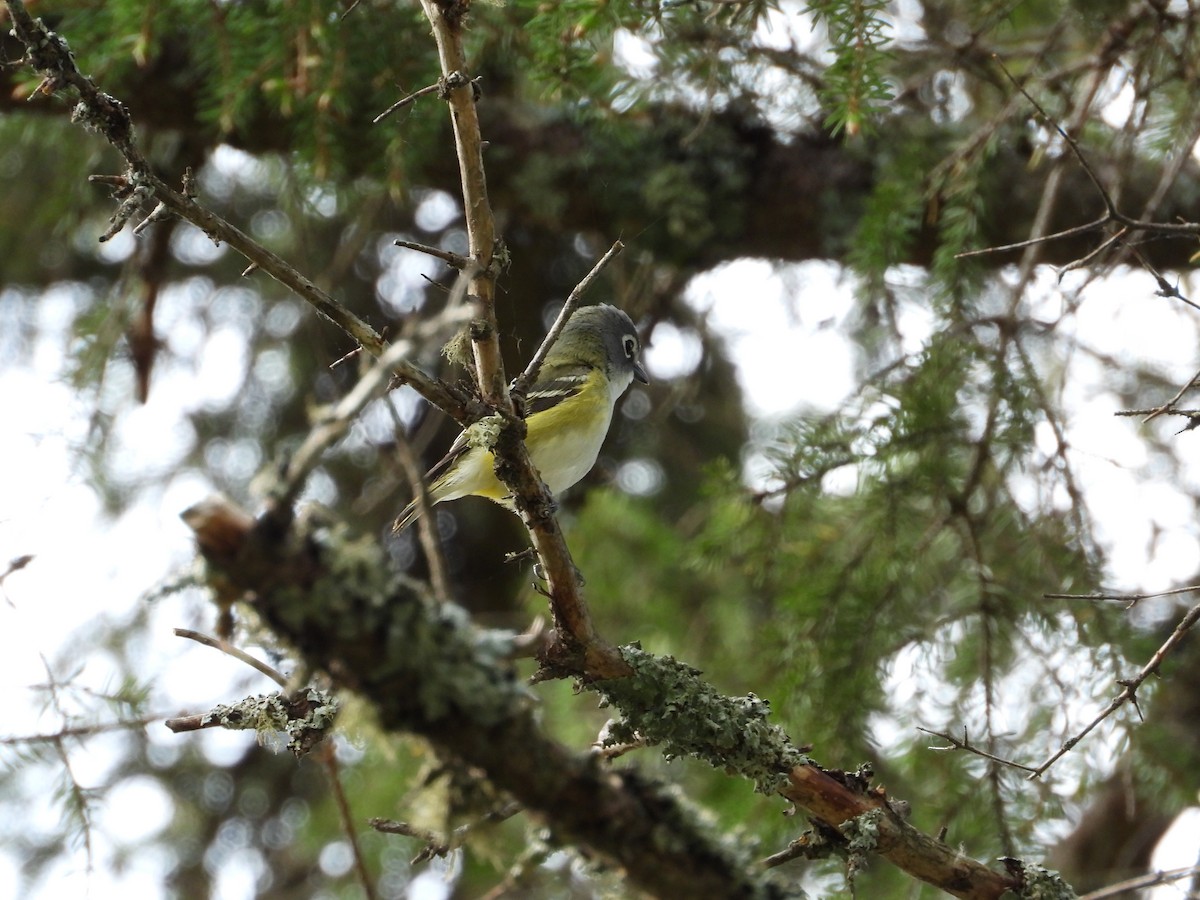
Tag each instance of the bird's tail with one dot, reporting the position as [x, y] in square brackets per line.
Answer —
[407, 516]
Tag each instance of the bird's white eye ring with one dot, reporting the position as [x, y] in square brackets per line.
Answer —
[630, 346]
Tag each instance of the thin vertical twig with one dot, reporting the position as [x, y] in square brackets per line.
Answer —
[346, 818]
[578, 646]
[439, 573]
[79, 794]
[459, 91]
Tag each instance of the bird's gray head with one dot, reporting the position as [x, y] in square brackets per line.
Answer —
[616, 333]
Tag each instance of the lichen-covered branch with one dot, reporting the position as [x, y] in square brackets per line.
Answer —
[425, 669]
[838, 798]
[306, 717]
[667, 703]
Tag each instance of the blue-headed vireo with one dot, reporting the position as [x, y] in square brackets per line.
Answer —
[567, 412]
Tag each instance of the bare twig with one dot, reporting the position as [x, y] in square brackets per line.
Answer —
[337, 420]
[531, 642]
[529, 376]
[1029, 242]
[236, 652]
[1169, 406]
[966, 745]
[521, 875]
[604, 750]
[77, 731]
[1131, 600]
[427, 532]
[346, 818]
[1168, 410]
[440, 845]
[394, 826]
[1149, 880]
[1165, 288]
[819, 843]
[1129, 689]
[1096, 252]
[14, 565]
[453, 260]
[399, 104]
[181, 724]
[457, 89]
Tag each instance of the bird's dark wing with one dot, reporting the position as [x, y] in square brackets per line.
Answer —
[549, 391]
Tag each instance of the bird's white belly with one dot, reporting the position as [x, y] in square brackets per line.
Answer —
[563, 460]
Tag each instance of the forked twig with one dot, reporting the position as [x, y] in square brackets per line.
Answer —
[966, 745]
[400, 104]
[529, 376]
[236, 652]
[1128, 691]
[1131, 600]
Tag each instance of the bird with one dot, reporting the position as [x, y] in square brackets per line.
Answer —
[567, 412]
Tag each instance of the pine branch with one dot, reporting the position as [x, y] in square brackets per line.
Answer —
[139, 187]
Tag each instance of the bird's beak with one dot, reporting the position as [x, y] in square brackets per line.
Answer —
[639, 373]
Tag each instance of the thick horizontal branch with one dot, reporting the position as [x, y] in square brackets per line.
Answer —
[835, 801]
[425, 669]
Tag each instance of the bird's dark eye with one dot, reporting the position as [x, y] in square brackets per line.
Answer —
[631, 346]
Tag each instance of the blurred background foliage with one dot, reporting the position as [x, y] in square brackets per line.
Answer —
[868, 569]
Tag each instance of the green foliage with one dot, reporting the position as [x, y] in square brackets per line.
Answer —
[893, 214]
[571, 46]
[856, 89]
[570, 43]
[961, 205]
[44, 222]
[306, 70]
[887, 574]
